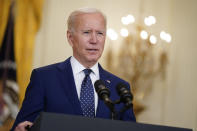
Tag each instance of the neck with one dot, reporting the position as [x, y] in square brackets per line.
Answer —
[87, 65]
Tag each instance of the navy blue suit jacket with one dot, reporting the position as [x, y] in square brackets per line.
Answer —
[52, 89]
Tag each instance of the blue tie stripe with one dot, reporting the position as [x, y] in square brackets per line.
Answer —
[87, 95]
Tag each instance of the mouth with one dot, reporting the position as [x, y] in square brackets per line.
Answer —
[92, 50]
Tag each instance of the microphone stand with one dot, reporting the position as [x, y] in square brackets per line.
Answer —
[111, 105]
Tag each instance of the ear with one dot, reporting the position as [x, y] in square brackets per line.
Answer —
[70, 38]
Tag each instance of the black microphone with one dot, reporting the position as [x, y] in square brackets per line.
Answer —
[104, 94]
[125, 95]
[102, 91]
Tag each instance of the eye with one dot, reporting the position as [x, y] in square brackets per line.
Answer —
[100, 33]
[86, 32]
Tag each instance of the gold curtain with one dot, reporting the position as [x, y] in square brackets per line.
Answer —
[27, 18]
[27, 22]
[4, 14]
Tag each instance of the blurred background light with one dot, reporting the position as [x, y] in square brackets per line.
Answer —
[153, 39]
[150, 20]
[143, 34]
[128, 19]
[165, 36]
[112, 34]
[124, 32]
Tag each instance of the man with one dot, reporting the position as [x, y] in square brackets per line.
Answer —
[60, 87]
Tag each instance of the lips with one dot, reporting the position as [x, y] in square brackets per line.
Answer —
[92, 49]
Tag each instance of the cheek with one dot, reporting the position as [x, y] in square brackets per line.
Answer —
[102, 44]
[102, 41]
[82, 42]
[78, 43]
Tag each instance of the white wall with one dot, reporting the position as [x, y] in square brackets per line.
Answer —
[181, 108]
[172, 102]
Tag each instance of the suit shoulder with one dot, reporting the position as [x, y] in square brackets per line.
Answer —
[48, 70]
[47, 67]
[51, 67]
[115, 77]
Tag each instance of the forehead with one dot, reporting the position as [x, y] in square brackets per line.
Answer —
[91, 20]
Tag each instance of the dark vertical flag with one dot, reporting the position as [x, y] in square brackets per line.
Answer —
[9, 99]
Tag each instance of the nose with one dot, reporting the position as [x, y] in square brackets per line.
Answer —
[93, 39]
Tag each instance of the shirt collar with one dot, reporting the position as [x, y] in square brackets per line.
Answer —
[78, 67]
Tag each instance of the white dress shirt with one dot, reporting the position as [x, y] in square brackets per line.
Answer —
[79, 75]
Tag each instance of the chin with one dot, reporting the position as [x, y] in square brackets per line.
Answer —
[93, 59]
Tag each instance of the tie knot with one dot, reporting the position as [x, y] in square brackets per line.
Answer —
[87, 71]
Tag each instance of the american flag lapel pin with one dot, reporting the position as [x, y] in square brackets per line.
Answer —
[108, 81]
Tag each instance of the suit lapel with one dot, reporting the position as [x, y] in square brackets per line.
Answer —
[102, 109]
[69, 87]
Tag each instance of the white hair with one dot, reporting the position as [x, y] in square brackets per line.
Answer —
[74, 14]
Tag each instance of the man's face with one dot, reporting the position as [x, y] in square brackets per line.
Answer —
[88, 38]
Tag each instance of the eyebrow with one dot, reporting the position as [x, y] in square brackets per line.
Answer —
[103, 31]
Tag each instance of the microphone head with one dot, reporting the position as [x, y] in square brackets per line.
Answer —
[99, 84]
[101, 89]
[121, 89]
[124, 93]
